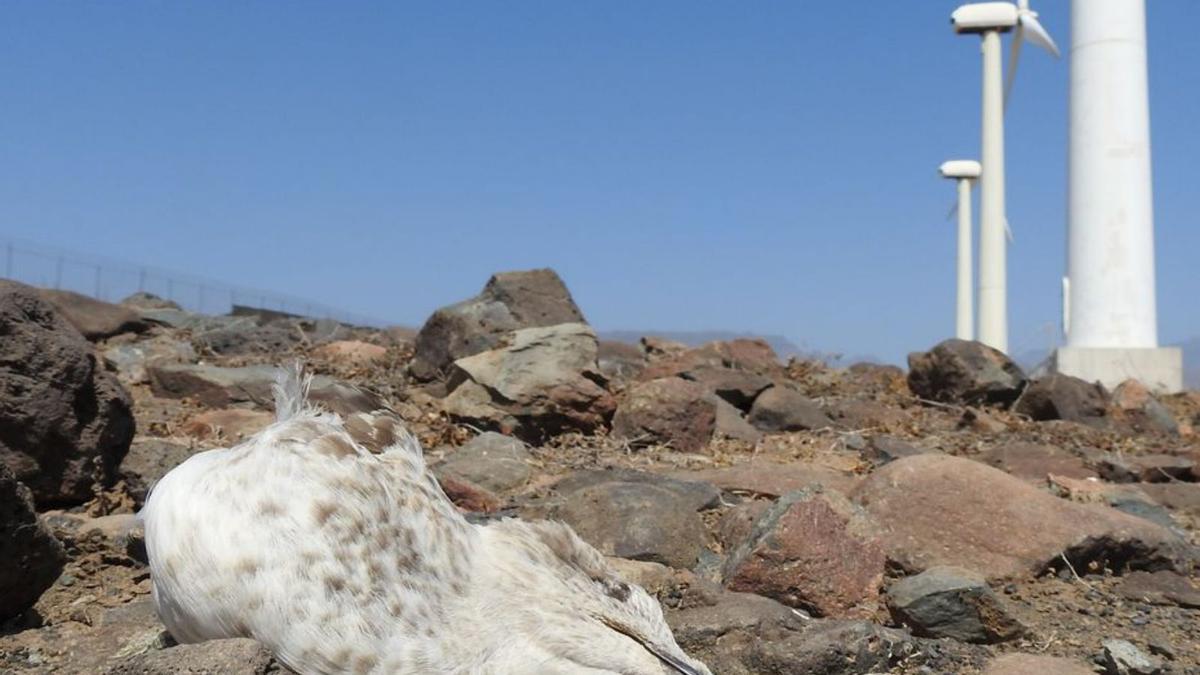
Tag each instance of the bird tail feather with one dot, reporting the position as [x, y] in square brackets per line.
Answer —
[291, 391]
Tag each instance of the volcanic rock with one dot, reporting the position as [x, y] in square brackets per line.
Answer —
[960, 371]
[539, 383]
[65, 423]
[620, 360]
[667, 411]
[737, 387]
[1035, 461]
[1122, 657]
[148, 460]
[144, 300]
[766, 479]
[230, 425]
[131, 359]
[1062, 397]
[954, 603]
[812, 550]
[355, 353]
[941, 510]
[214, 657]
[30, 557]
[1160, 588]
[1152, 468]
[492, 461]
[834, 647]
[1036, 664]
[95, 319]
[731, 424]
[509, 301]
[699, 495]
[883, 449]
[1135, 406]
[785, 409]
[218, 387]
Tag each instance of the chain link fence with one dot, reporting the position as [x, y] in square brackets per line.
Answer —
[111, 281]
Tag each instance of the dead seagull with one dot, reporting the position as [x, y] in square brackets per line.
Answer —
[326, 539]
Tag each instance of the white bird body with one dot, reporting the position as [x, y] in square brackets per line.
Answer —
[327, 540]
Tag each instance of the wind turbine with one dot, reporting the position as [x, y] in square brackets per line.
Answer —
[989, 20]
[1109, 298]
[965, 171]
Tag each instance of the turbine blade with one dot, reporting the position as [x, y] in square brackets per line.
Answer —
[1038, 34]
[953, 211]
[1014, 56]
[1007, 231]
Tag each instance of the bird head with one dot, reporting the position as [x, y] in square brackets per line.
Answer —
[576, 610]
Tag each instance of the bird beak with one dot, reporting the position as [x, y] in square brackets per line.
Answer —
[676, 664]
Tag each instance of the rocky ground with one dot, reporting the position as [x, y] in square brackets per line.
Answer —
[791, 517]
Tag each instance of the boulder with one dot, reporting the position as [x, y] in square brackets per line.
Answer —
[219, 387]
[749, 355]
[214, 657]
[76, 647]
[1160, 588]
[882, 449]
[131, 359]
[620, 360]
[229, 426]
[509, 301]
[1151, 468]
[937, 509]
[30, 557]
[811, 550]
[540, 382]
[148, 460]
[247, 336]
[835, 647]
[961, 371]
[1062, 397]
[950, 602]
[730, 617]
[1182, 497]
[1035, 664]
[639, 521]
[1136, 407]
[785, 409]
[1121, 657]
[95, 319]
[738, 522]
[730, 423]
[668, 411]
[492, 461]
[698, 494]
[65, 422]
[1035, 461]
[767, 479]
[737, 387]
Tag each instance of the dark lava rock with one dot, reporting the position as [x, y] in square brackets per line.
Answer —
[1062, 397]
[509, 301]
[65, 423]
[952, 602]
[785, 409]
[148, 460]
[960, 371]
[30, 557]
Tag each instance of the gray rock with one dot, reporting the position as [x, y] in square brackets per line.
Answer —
[668, 411]
[731, 424]
[143, 300]
[1122, 657]
[130, 359]
[960, 371]
[30, 557]
[1062, 397]
[65, 423]
[637, 521]
[698, 494]
[785, 409]
[738, 387]
[492, 461]
[148, 460]
[215, 657]
[218, 387]
[952, 602]
[248, 337]
[539, 383]
[731, 616]
[834, 647]
[95, 319]
[1160, 588]
[883, 449]
[620, 360]
[1153, 468]
[509, 301]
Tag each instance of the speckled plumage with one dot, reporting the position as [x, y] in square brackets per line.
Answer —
[326, 539]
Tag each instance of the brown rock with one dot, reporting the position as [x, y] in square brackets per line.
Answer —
[1182, 497]
[1134, 406]
[639, 521]
[219, 387]
[959, 371]
[737, 387]
[509, 301]
[65, 422]
[766, 479]
[230, 425]
[30, 557]
[354, 353]
[738, 522]
[812, 550]
[785, 409]
[1036, 664]
[731, 424]
[95, 319]
[214, 657]
[468, 496]
[860, 414]
[620, 360]
[668, 411]
[1152, 468]
[1160, 588]
[1035, 461]
[944, 510]
[1062, 397]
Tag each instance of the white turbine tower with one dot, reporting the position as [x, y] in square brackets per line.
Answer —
[964, 171]
[989, 20]
[1111, 325]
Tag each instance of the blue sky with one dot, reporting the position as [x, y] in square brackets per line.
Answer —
[767, 167]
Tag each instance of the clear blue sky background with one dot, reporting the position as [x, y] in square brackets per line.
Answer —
[766, 167]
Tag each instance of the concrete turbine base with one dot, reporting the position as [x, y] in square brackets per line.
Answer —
[1159, 368]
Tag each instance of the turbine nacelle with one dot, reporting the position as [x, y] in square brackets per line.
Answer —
[981, 17]
[961, 168]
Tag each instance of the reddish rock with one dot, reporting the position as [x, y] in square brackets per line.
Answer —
[960, 371]
[738, 522]
[861, 415]
[1152, 468]
[1035, 461]
[355, 353]
[766, 479]
[1160, 588]
[943, 510]
[620, 360]
[751, 355]
[1062, 397]
[468, 496]
[731, 424]
[668, 411]
[812, 550]
[1134, 406]
[230, 425]
[95, 319]
[1183, 497]
[785, 409]
[738, 387]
